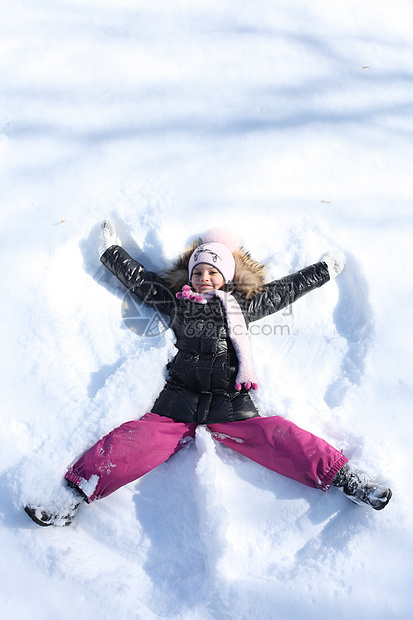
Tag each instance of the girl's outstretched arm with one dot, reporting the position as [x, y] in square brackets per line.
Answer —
[146, 285]
[281, 293]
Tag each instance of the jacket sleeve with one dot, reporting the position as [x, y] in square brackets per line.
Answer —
[281, 293]
[146, 285]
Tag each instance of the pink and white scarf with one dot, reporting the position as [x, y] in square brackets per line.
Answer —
[237, 328]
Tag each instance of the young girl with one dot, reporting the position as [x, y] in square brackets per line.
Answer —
[211, 294]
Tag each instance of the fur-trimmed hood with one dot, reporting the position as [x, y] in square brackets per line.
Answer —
[248, 278]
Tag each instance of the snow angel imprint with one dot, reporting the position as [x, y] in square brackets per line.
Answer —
[211, 293]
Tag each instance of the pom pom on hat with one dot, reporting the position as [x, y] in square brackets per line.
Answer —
[221, 235]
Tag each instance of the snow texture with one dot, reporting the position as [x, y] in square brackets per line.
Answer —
[290, 123]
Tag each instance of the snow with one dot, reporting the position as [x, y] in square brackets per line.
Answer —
[290, 123]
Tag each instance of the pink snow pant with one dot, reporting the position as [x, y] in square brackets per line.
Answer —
[137, 447]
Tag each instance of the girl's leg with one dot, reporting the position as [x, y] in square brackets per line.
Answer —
[284, 448]
[127, 453]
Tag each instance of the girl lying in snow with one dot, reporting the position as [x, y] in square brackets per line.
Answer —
[211, 293]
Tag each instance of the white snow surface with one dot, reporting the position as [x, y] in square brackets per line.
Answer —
[290, 123]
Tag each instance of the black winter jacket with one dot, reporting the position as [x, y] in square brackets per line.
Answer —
[200, 387]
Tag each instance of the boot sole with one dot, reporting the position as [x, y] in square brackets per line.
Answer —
[32, 514]
[30, 511]
[360, 502]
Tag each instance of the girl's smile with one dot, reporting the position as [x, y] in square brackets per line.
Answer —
[205, 278]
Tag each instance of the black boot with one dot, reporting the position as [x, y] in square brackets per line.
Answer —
[361, 489]
[61, 507]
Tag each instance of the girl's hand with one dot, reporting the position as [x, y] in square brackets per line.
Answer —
[335, 262]
[107, 236]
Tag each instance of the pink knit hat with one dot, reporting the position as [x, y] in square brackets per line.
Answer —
[215, 254]
[216, 250]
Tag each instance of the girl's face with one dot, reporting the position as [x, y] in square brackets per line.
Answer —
[205, 278]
